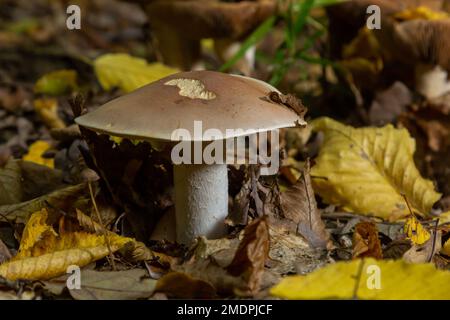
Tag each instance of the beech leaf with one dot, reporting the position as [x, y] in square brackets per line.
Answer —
[368, 170]
[358, 279]
[44, 254]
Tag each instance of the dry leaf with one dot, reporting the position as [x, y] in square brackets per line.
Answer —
[248, 262]
[290, 253]
[368, 279]
[10, 183]
[35, 152]
[366, 242]
[367, 171]
[4, 252]
[62, 199]
[446, 248]
[425, 252]
[107, 285]
[127, 72]
[183, 286]
[299, 205]
[206, 271]
[44, 254]
[47, 109]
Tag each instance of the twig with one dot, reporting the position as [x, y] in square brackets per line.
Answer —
[105, 234]
[434, 240]
[358, 280]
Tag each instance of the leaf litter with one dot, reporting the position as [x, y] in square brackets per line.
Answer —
[339, 201]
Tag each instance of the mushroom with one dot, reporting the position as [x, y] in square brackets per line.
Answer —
[418, 48]
[159, 111]
[179, 25]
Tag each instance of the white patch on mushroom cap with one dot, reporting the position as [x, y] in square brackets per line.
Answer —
[191, 88]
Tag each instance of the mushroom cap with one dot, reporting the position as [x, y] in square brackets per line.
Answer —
[197, 19]
[221, 101]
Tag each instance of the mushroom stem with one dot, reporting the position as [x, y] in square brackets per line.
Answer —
[201, 201]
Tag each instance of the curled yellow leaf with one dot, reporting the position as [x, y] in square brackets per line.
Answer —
[368, 170]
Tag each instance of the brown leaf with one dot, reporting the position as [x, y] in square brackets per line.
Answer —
[424, 253]
[107, 285]
[299, 205]
[63, 199]
[366, 242]
[252, 253]
[182, 285]
[207, 270]
[290, 253]
[289, 101]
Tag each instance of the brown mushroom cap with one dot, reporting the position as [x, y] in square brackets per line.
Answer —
[157, 109]
[197, 19]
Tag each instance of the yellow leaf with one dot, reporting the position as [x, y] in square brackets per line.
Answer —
[127, 72]
[368, 279]
[444, 217]
[35, 152]
[367, 170]
[415, 231]
[446, 248]
[57, 82]
[35, 229]
[44, 254]
[421, 12]
[47, 109]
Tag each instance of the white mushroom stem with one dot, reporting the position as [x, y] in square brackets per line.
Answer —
[201, 201]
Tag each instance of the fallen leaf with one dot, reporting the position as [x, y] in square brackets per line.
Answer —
[4, 252]
[205, 274]
[107, 285]
[444, 217]
[425, 252]
[127, 72]
[35, 152]
[183, 286]
[62, 199]
[367, 170]
[366, 242]
[415, 231]
[57, 83]
[251, 254]
[10, 183]
[291, 253]
[397, 280]
[44, 254]
[47, 109]
[299, 205]
[446, 248]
